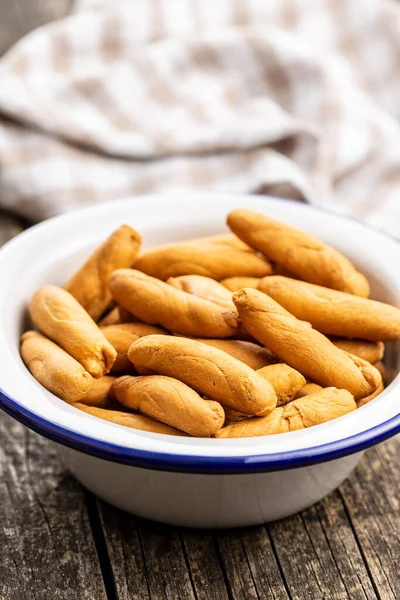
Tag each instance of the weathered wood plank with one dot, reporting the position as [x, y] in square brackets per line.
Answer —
[204, 564]
[19, 17]
[147, 559]
[308, 573]
[335, 525]
[47, 549]
[125, 553]
[372, 499]
[311, 554]
[328, 551]
[250, 564]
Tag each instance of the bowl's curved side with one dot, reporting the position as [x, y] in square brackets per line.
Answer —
[163, 220]
[208, 501]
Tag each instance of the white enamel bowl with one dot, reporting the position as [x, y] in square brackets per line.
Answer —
[182, 481]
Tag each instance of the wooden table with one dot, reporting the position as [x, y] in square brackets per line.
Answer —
[58, 542]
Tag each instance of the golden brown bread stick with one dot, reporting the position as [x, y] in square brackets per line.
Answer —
[303, 254]
[307, 389]
[333, 312]
[209, 371]
[285, 380]
[280, 270]
[382, 370]
[172, 402]
[224, 239]
[311, 410]
[214, 259]
[369, 351]
[121, 337]
[211, 290]
[61, 318]
[99, 394]
[117, 316]
[129, 420]
[158, 303]
[234, 416]
[56, 370]
[89, 285]
[113, 317]
[126, 316]
[302, 347]
[363, 401]
[203, 287]
[237, 283]
[272, 424]
[251, 354]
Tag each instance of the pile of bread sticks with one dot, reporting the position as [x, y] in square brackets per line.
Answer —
[265, 330]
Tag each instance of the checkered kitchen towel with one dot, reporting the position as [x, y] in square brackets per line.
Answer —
[298, 98]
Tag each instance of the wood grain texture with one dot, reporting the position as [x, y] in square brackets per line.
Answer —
[372, 499]
[46, 546]
[345, 547]
[57, 542]
[19, 17]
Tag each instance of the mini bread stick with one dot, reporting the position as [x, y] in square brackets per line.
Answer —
[121, 337]
[280, 270]
[307, 389]
[303, 254]
[311, 410]
[214, 259]
[129, 420]
[367, 399]
[211, 290]
[382, 370]
[333, 312]
[272, 424]
[56, 370]
[251, 354]
[237, 283]
[234, 416]
[61, 318]
[285, 380]
[89, 285]
[319, 408]
[231, 415]
[117, 316]
[302, 347]
[372, 352]
[203, 287]
[113, 317]
[158, 303]
[126, 316]
[223, 239]
[209, 371]
[172, 402]
[370, 373]
[99, 394]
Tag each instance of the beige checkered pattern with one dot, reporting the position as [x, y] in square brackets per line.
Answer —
[298, 98]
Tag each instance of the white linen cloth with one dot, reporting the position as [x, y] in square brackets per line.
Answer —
[298, 98]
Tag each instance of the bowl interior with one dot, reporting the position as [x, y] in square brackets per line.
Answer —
[50, 252]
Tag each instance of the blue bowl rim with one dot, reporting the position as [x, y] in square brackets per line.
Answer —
[160, 461]
[261, 463]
